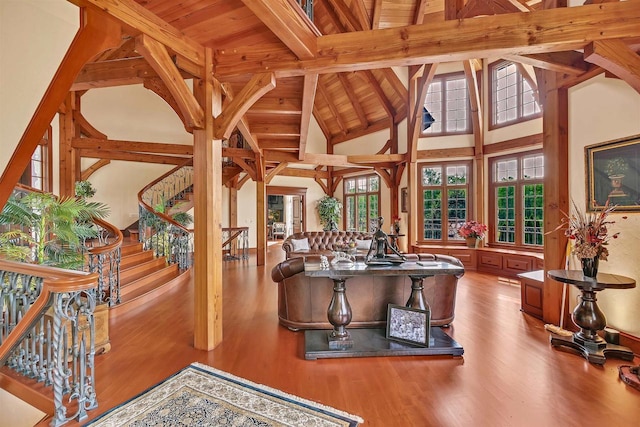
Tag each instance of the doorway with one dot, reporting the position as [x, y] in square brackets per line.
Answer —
[286, 211]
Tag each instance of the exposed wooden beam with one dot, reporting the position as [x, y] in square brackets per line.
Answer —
[488, 7]
[240, 153]
[382, 97]
[370, 159]
[94, 167]
[243, 124]
[361, 14]
[133, 146]
[286, 20]
[476, 106]
[418, 12]
[157, 86]
[303, 173]
[569, 62]
[617, 58]
[308, 99]
[334, 112]
[417, 103]
[452, 8]
[86, 128]
[117, 72]
[377, 11]
[131, 157]
[98, 34]
[386, 177]
[274, 172]
[445, 153]
[240, 104]
[373, 127]
[539, 31]
[138, 17]
[529, 142]
[288, 106]
[159, 58]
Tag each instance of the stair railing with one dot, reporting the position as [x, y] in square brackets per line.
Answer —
[47, 332]
[235, 243]
[157, 230]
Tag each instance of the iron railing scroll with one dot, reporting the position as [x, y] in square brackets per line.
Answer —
[47, 332]
[235, 243]
[157, 230]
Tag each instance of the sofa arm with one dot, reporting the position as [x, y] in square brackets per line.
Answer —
[287, 246]
[287, 268]
[451, 260]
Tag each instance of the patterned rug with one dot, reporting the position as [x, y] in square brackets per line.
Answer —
[200, 395]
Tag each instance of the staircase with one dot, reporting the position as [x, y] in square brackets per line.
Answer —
[144, 277]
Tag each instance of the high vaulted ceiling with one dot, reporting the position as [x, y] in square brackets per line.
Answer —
[346, 83]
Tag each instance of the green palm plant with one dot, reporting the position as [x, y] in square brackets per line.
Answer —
[53, 229]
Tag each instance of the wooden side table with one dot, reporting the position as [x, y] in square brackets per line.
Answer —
[588, 316]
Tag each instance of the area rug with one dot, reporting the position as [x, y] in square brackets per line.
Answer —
[200, 395]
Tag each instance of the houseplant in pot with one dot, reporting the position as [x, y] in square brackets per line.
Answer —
[472, 232]
[329, 209]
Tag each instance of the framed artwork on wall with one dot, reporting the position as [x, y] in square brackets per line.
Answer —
[613, 174]
[404, 200]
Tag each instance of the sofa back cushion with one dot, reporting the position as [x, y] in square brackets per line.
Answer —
[325, 240]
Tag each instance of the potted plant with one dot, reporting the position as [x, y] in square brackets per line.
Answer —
[472, 232]
[84, 189]
[329, 209]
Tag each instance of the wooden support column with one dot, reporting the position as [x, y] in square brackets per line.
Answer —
[233, 206]
[556, 187]
[207, 185]
[68, 159]
[261, 225]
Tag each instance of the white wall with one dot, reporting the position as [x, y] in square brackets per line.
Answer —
[602, 110]
[34, 36]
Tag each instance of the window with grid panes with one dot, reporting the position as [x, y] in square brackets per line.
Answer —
[512, 98]
[447, 100]
[37, 174]
[361, 202]
[517, 200]
[444, 192]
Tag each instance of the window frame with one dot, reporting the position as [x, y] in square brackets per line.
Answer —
[519, 184]
[45, 165]
[443, 78]
[521, 75]
[355, 195]
[420, 187]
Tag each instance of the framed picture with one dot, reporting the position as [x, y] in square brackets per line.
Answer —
[613, 174]
[404, 200]
[408, 325]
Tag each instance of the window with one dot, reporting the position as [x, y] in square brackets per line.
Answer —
[517, 200]
[361, 202]
[445, 191]
[512, 95]
[447, 102]
[37, 174]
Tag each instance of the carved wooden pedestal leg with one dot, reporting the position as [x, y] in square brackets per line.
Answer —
[339, 314]
[416, 299]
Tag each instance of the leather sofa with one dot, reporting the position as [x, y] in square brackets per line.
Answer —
[303, 300]
[323, 242]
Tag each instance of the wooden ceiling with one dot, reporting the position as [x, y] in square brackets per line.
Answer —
[347, 85]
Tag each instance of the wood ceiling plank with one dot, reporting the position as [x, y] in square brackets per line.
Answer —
[158, 57]
[569, 62]
[616, 57]
[279, 105]
[287, 20]
[373, 127]
[355, 102]
[138, 17]
[375, 16]
[329, 103]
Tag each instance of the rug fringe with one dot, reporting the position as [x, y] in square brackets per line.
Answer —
[557, 330]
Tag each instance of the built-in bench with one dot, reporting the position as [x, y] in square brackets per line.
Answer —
[501, 262]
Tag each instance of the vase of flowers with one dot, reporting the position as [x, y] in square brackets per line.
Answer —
[472, 232]
[590, 235]
[395, 222]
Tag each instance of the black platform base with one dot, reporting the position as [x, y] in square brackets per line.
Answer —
[373, 342]
[594, 353]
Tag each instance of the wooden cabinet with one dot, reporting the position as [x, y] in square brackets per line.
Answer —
[531, 292]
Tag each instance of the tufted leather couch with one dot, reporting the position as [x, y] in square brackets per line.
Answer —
[322, 242]
[303, 301]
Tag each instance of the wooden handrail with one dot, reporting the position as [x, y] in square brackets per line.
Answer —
[237, 231]
[56, 280]
[113, 230]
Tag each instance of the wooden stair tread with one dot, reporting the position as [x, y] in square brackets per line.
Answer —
[129, 248]
[135, 258]
[138, 271]
[148, 282]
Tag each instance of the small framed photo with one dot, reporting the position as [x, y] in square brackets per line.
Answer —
[408, 325]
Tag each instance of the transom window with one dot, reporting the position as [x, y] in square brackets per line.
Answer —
[512, 95]
[444, 191]
[517, 200]
[361, 202]
[447, 102]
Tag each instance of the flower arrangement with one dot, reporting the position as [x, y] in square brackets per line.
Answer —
[472, 229]
[395, 222]
[617, 166]
[589, 231]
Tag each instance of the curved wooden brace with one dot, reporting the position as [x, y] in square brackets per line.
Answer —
[385, 176]
[157, 86]
[94, 167]
[87, 128]
[273, 172]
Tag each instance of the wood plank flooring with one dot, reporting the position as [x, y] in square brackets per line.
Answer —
[509, 374]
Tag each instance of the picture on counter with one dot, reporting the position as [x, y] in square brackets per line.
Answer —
[613, 174]
[408, 325]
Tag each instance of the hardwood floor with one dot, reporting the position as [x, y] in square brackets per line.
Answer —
[509, 374]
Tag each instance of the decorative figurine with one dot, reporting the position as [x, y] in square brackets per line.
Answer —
[378, 250]
[324, 262]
